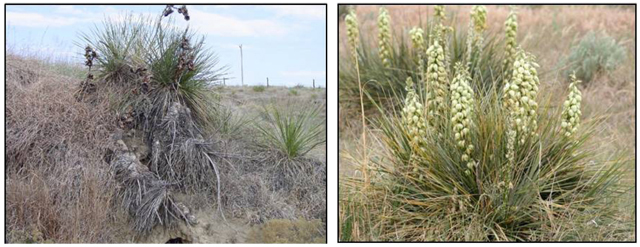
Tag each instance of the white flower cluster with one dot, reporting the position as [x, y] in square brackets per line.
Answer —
[520, 95]
[417, 39]
[571, 110]
[412, 115]
[439, 12]
[462, 99]
[477, 25]
[437, 81]
[352, 30]
[384, 37]
[511, 30]
[479, 18]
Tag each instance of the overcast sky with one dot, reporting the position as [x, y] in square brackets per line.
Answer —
[285, 43]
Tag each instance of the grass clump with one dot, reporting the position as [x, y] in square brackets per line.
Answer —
[259, 88]
[596, 53]
[493, 163]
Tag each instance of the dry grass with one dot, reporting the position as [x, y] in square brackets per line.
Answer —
[56, 180]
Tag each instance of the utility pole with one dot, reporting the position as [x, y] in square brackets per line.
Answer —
[314, 83]
[241, 66]
[267, 81]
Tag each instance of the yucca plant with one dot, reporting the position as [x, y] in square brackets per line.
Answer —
[159, 79]
[499, 164]
[292, 134]
[118, 46]
[383, 83]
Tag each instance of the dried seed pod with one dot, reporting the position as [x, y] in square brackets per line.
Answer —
[167, 10]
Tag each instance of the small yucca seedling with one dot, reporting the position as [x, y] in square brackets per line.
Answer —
[293, 134]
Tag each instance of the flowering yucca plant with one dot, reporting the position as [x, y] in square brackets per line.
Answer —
[471, 163]
[408, 50]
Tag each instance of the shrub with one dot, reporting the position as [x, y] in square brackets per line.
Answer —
[490, 166]
[596, 53]
[293, 92]
[259, 88]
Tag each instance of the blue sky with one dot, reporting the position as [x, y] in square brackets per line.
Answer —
[285, 43]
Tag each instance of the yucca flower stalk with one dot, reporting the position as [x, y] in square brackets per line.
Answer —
[384, 37]
[462, 100]
[351, 21]
[417, 39]
[519, 100]
[571, 109]
[476, 28]
[412, 115]
[439, 13]
[511, 32]
[437, 82]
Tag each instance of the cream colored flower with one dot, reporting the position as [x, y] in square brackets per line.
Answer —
[417, 39]
[479, 18]
[439, 13]
[462, 100]
[511, 32]
[384, 37]
[571, 112]
[437, 82]
[351, 21]
[520, 94]
[412, 115]
[476, 27]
